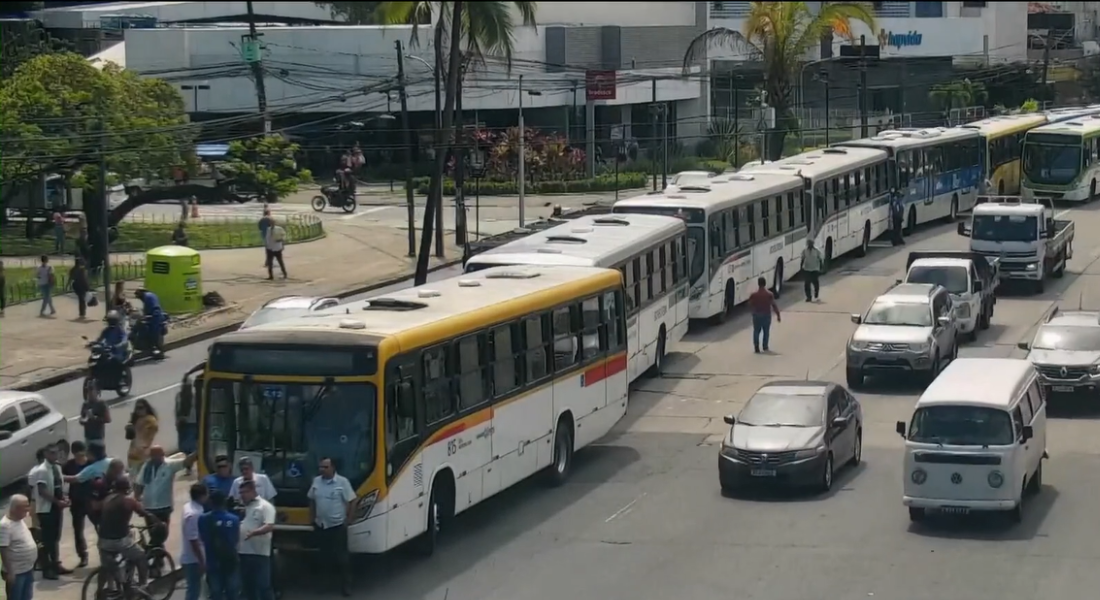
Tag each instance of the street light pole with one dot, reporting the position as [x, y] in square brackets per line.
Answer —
[522, 155]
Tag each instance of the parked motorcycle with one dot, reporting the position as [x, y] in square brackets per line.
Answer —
[104, 373]
[332, 195]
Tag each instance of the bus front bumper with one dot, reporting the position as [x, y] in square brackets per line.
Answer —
[958, 505]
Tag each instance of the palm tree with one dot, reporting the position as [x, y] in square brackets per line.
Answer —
[960, 93]
[780, 34]
[479, 30]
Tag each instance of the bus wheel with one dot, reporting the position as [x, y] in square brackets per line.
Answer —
[658, 360]
[828, 254]
[728, 301]
[954, 214]
[1092, 191]
[865, 243]
[911, 228]
[777, 279]
[563, 452]
[441, 498]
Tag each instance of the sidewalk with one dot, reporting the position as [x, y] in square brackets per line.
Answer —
[68, 587]
[350, 257]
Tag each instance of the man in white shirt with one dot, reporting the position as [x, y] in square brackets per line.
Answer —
[154, 488]
[18, 550]
[264, 488]
[255, 549]
[275, 238]
[330, 505]
[49, 503]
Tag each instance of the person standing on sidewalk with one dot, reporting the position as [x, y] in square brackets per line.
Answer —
[79, 497]
[897, 216]
[330, 506]
[260, 482]
[49, 503]
[762, 303]
[94, 417]
[255, 548]
[141, 431]
[58, 232]
[276, 236]
[80, 286]
[18, 550]
[46, 280]
[812, 265]
[192, 555]
[221, 535]
[222, 479]
[154, 488]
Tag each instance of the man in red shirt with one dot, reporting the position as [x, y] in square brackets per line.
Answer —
[762, 303]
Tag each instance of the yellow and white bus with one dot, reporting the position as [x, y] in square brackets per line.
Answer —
[429, 400]
[650, 251]
[1062, 160]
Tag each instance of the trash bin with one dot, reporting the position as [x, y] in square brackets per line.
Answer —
[174, 274]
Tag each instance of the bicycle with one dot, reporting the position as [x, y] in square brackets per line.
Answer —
[121, 584]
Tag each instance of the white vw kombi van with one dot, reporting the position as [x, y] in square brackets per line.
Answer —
[977, 439]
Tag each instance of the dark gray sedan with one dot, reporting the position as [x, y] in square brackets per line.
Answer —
[792, 432]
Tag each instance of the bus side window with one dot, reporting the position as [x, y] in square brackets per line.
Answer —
[565, 341]
[438, 396]
[590, 329]
[636, 283]
[537, 356]
[676, 247]
[472, 371]
[750, 219]
[668, 265]
[614, 334]
[867, 181]
[506, 354]
[834, 186]
[765, 222]
[717, 238]
[663, 280]
[733, 239]
[401, 429]
[793, 215]
[779, 214]
[646, 282]
[847, 193]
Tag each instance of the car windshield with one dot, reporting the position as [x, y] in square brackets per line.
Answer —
[955, 279]
[270, 315]
[287, 428]
[1005, 228]
[961, 426]
[1054, 337]
[904, 314]
[1052, 164]
[774, 410]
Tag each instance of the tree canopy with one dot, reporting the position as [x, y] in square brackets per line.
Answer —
[267, 165]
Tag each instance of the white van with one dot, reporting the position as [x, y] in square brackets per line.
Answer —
[977, 439]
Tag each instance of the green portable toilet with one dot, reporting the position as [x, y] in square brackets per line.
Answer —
[174, 274]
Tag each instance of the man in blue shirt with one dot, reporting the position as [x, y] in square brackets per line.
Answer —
[331, 499]
[114, 337]
[153, 322]
[221, 480]
[220, 532]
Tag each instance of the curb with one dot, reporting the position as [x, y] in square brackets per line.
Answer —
[71, 373]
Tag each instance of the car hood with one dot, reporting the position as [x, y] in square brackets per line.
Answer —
[774, 439]
[892, 334]
[1069, 358]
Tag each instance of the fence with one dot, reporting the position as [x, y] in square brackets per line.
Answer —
[22, 287]
[140, 232]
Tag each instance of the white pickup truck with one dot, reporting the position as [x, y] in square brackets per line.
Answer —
[970, 278]
[1030, 243]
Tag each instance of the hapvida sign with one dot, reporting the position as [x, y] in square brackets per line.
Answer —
[899, 40]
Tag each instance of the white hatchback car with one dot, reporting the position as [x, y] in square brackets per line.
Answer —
[28, 423]
[288, 307]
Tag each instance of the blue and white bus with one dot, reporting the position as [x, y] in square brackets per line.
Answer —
[938, 171]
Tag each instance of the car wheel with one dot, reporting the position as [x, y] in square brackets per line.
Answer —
[1035, 485]
[857, 450]
[916, 515]
[854, 378]
[826, 482]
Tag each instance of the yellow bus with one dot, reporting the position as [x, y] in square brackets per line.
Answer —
[429, 400]
[1002, 147]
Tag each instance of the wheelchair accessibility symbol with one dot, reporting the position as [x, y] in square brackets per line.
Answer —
[294, 471]
[343, 439]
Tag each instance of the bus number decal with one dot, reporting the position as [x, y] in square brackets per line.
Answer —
[660, 313]
[776, 247]
[453, 446]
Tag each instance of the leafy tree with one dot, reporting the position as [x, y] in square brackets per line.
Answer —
[266, 165]
[960, 93]
[780, 34]
[360, 13]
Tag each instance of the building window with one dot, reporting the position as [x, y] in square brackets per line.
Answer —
[929, 9]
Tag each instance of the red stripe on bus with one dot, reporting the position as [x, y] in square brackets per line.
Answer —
[608, 368]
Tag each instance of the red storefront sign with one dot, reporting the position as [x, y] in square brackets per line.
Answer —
[600, 85]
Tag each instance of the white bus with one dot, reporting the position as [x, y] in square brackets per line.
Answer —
[851, 196]
[428, 400]
[740, 227]
[1062, 160]
[938, 171]
[650, 251]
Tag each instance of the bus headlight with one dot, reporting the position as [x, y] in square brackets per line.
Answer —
[919, 476]
[364, 506]
[995, 479]
[1031, 266]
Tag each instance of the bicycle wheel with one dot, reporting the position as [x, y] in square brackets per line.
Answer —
[91, 590]
[162, 574]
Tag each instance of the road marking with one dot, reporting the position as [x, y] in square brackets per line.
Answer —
[622, 512]
[128, 400]
[366, 212]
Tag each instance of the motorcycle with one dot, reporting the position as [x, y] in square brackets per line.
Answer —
[332, 195]
[104, 373]
[142, 340]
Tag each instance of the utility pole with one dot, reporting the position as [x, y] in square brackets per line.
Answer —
[862, 86]
[653, 145]
[522, 155]
[437, 74]
[460, 166]
[105, 215]
[825, 80]
[663, 110]
[407, 135]
[1046, 61]
[253, 54]
[736, 126]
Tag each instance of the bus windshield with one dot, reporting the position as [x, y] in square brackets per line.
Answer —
[1052, 164]
[961, 426]
[1005, 228]
[287, 428]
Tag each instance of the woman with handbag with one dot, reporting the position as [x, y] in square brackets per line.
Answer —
[141, 431]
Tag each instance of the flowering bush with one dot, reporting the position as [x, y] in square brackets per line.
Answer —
[548, 156]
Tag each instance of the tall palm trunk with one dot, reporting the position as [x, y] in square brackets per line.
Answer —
[444, 139]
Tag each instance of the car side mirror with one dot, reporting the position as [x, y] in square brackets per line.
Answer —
[961, 229]
[943, 321]
[1027, 433]
[730, 420]
[839, 422]
[897, 282]
[1023, 346]
[857, 319]
[5, 435]
[900, 428]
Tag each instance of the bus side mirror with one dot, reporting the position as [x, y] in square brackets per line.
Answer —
[1050, 231]
[900, 428]
[963, 230]
[1026, 433]
[1023, 346]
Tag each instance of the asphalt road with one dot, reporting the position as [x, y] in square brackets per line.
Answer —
[642, 518]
